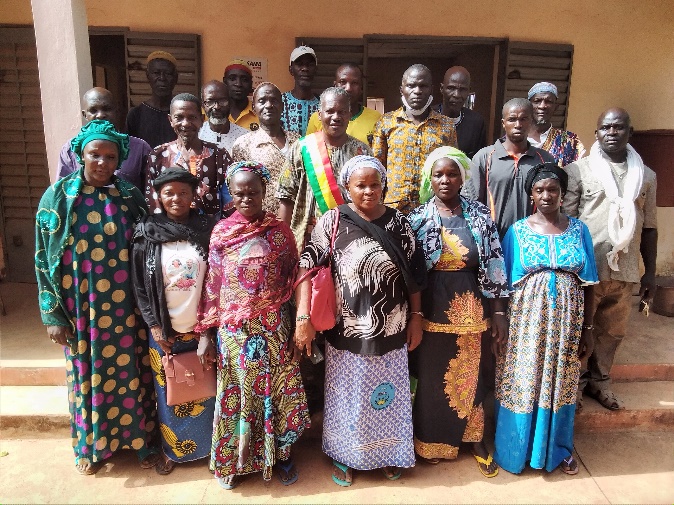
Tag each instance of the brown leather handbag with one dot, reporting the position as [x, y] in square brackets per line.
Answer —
[186, 379]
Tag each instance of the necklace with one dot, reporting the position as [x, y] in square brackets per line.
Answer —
[450, 210]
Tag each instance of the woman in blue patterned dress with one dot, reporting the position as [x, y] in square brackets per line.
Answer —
[84, 226]
[168, 267]
[551, 270]
[260, 407]
[367, 416]
[466, 289]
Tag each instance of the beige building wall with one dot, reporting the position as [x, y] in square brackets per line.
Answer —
[623, 49]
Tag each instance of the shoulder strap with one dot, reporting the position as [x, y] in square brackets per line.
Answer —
[325, 256]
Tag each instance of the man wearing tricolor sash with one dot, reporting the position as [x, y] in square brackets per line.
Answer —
[308, 184]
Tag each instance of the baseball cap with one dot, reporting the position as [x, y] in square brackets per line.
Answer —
[301, 51]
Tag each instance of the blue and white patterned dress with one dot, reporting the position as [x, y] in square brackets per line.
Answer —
[537, 375]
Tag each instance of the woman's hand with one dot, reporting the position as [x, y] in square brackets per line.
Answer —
[295, 352]
[59, 334]
[158, 337]
[206, 351]
[304, 335]
[414, 332]
[586, 344]
[499, 333]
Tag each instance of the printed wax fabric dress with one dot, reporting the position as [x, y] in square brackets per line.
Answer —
[537, 375]
[260, 406]
[367, 418]
[82, 265]
[466, 268]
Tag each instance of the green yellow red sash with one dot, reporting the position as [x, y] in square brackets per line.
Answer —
[319, 172]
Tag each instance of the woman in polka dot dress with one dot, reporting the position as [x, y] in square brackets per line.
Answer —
[84, 226]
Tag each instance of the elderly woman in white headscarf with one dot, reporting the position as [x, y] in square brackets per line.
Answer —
[368, 415]
[466, 293]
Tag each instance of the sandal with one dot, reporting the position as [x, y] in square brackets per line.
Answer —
[391, 472]
[607, 399]
[346, 471]
[88, 468]
[150, 461]
[165, 467]
[287, 473]
[569, 466]
[485, 464]
[431, 461]
[229, 481]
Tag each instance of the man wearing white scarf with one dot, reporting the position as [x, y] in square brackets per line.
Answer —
[613, 193]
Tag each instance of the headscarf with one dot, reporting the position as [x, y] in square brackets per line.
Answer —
[237, 64]
[542, 87]
[456, 155]
[248, 166]
[175, 174]
[358, 162]
[100, 129]
[547, 170]
[162, 55]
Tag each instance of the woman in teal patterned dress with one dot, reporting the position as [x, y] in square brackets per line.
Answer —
[84, 225]
[551, 269]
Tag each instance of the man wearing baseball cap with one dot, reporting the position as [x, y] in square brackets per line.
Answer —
[239, 81]
[149, 120]
[300, 102]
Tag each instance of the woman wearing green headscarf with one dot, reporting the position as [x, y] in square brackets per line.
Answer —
[466, 291]
[84, 225]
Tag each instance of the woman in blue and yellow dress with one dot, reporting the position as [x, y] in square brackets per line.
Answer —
[84, 226]
[168, 262]
[466, 286]
[551, 270]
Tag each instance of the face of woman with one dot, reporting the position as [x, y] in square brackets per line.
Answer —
[267, 105]
[101, 158]
[446, 179]
[247, 193]
[365, 189]
[547, 194]
[176, 197]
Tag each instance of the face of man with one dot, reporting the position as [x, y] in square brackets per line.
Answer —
[351, 80]
[544, 107]
[239, 83]
[613, 131]
[268, 105]
[416, 88]
[334, 114]
[216, 103]
[162, 76]
[186, 120]
[516, 123]
[455, 89]
[303, 70]
[98, 105]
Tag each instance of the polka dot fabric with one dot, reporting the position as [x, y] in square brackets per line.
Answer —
[108, 371]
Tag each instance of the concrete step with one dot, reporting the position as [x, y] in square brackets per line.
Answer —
[649, 406]
[34, 408]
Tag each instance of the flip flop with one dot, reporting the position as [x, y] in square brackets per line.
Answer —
[391, 472]
[229, 481]
[165, 467]
[89, 468]
[284, 468]
[431, 461]
[569, 466]
[487, 463]
[607, 399]
[348, 474]
[150, 461]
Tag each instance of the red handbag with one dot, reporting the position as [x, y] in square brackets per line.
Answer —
[323, 312]
[186, 379]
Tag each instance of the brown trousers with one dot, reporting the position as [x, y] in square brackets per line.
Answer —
[613, 305]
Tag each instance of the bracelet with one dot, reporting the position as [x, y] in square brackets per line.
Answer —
[499, 313]
[303, 317]
[588, 326]
[417, 313]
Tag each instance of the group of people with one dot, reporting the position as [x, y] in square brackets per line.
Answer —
[458, 267]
